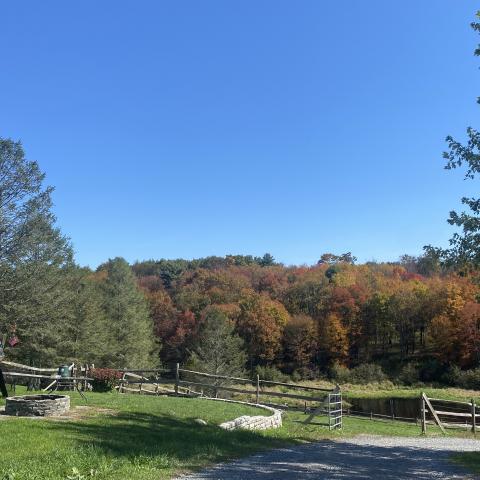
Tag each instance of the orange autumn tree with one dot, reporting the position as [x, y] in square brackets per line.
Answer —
[454, 332]
[299, 343]
[260, 323]
[333, 340]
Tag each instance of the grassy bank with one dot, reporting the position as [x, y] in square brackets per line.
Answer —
[379, 391]
[130, 436]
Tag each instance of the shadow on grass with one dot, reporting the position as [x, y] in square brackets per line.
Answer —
[135, 434]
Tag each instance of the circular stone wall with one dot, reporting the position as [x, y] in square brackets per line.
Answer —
[37, 405]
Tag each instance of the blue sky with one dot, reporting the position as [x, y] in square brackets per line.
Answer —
[195, 128]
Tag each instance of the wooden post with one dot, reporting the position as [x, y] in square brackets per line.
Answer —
[85, 382]
[422, 410]
[257, 396]
[391, 409]
[3, 387]
[121, 387]
[329, 414]
[434, 413]
[474, 420]
[177, 377]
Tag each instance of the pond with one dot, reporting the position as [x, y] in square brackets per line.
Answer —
[400, 408]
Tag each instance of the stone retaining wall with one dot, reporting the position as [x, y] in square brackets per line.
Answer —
[257, 422]
[37, 405]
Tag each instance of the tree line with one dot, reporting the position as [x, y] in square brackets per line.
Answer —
[226, 314]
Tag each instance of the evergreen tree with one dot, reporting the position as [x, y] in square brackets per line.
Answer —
[86, 331]
[130, 327]
[219, 350]
[35, 259]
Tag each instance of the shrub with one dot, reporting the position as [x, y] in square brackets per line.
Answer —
[297, 376]
[431, 370]
[469, 379]
[364, 373]
[340, 373]
[367, 373]
[409, 374]
[104, 379]
[270, 373]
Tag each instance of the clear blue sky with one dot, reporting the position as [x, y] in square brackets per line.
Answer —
[194, 128]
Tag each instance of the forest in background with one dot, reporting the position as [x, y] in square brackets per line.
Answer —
[414, 320]
[410, 321]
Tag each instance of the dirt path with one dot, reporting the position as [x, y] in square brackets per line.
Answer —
[362, 457]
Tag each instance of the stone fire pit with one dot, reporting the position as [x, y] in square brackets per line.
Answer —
[37, 405]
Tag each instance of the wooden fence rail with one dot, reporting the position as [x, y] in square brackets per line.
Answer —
[188, 382]
[445, 418]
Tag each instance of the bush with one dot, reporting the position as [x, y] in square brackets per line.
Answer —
[469, 379]
[297, 376]
[431, 370]
[367, 373]
[340, 373]
[364, 373]
[409, 374]
[104, 379]
[270, 373]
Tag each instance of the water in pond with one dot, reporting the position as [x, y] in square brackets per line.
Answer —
[407, 408]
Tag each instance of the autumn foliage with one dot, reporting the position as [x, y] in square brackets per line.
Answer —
[307, 319]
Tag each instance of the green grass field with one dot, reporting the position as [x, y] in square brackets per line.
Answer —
[140, 437]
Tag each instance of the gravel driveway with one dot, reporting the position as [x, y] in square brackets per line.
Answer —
[366, 457]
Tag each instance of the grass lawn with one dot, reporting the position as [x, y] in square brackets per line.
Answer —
[140, 437]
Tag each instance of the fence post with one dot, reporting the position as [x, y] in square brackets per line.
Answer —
[422, 410]
[474, 420]
[177, 377]
[329, 414]
[122, 384]
[3, 387]
[257, 396]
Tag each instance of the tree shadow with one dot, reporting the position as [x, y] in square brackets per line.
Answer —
[131, 434]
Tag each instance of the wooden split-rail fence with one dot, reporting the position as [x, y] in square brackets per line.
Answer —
[180, 381]
[448, 413]
[12, 371]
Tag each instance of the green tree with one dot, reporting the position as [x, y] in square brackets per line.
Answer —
[219, 349]
[332, 259]
[267, 260]
[85, 331]
[35, 259]
[464, 245]
[131, 330]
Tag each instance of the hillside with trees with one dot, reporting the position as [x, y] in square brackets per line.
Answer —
[306, 321]
[417, 319]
